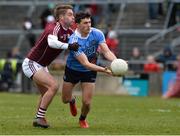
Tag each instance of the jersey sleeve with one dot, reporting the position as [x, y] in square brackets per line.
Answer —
[100, 37]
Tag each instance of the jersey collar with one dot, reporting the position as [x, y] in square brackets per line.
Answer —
[79, 35]
[62, 26]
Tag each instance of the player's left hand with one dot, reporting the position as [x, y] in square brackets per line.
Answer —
[73, 46]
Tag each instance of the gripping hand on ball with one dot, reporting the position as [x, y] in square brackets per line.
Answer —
[108, 71]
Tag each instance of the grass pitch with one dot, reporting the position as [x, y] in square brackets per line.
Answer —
[109, 115]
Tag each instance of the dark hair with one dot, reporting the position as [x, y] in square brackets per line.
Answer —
[81, 15]
[61, 10]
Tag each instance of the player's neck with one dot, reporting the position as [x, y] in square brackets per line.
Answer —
[82, 34]
[65, 27]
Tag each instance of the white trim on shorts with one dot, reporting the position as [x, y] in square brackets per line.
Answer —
[30, 67]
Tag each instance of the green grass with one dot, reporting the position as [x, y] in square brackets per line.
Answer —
[109, 115]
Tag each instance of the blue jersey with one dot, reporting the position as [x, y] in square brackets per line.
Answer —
[88, 46]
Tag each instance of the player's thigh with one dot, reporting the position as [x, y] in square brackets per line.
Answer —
[87, 91]
[44, 79]
[67, 89]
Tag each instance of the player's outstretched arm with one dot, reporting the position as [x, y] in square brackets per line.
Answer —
[84, 61]
[107, 52]
[53, 42]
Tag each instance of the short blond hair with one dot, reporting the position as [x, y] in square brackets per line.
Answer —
[61, 10]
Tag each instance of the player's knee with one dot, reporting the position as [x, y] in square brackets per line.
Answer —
[65, 99]
[86, 103]
[55, 86]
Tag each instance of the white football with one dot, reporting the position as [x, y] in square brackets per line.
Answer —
[119, 67]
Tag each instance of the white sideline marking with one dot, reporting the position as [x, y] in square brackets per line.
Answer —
[160, 110]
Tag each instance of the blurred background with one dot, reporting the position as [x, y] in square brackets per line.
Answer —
[143, 32]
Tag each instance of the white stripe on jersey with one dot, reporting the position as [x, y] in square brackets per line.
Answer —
[77, 53]
[56, 29]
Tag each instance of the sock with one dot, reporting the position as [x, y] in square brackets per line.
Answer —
[41, 113]
[82, 117]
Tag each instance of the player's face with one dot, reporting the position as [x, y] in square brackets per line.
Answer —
[68, 18]
[85, 26]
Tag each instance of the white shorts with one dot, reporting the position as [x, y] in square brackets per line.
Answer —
[30, 67]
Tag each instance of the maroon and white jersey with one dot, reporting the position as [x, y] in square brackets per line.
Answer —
[42, 53]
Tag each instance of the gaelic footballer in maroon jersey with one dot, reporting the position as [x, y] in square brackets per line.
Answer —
[50, 44]
[41, 49]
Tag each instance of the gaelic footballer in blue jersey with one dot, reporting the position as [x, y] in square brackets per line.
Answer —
[81, 65]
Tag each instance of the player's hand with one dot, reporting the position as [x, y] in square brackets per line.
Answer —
[73, 46]
[108, 71]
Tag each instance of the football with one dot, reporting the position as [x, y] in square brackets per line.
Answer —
[119, 67]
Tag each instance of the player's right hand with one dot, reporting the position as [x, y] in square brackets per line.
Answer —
[108, 71]
[73, 46]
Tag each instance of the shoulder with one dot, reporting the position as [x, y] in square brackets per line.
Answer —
[98, 34]
[73, 38]
[52, 27]
[96, 31]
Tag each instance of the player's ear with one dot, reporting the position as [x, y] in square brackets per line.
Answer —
[61, 17]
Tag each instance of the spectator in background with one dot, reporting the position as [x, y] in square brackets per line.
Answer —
[113, 42]
[95, 13]
[15, 53]
[151, 65]
[107, 30]
[76, 6]
[113, 8]
[136, 54]
[178, 13]
[92, 8]
[28, 27]
[175, 13]
[167, 58]
[135, 63]
[154, 10]
[47, 15]
[8, 71]
[16, 58]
